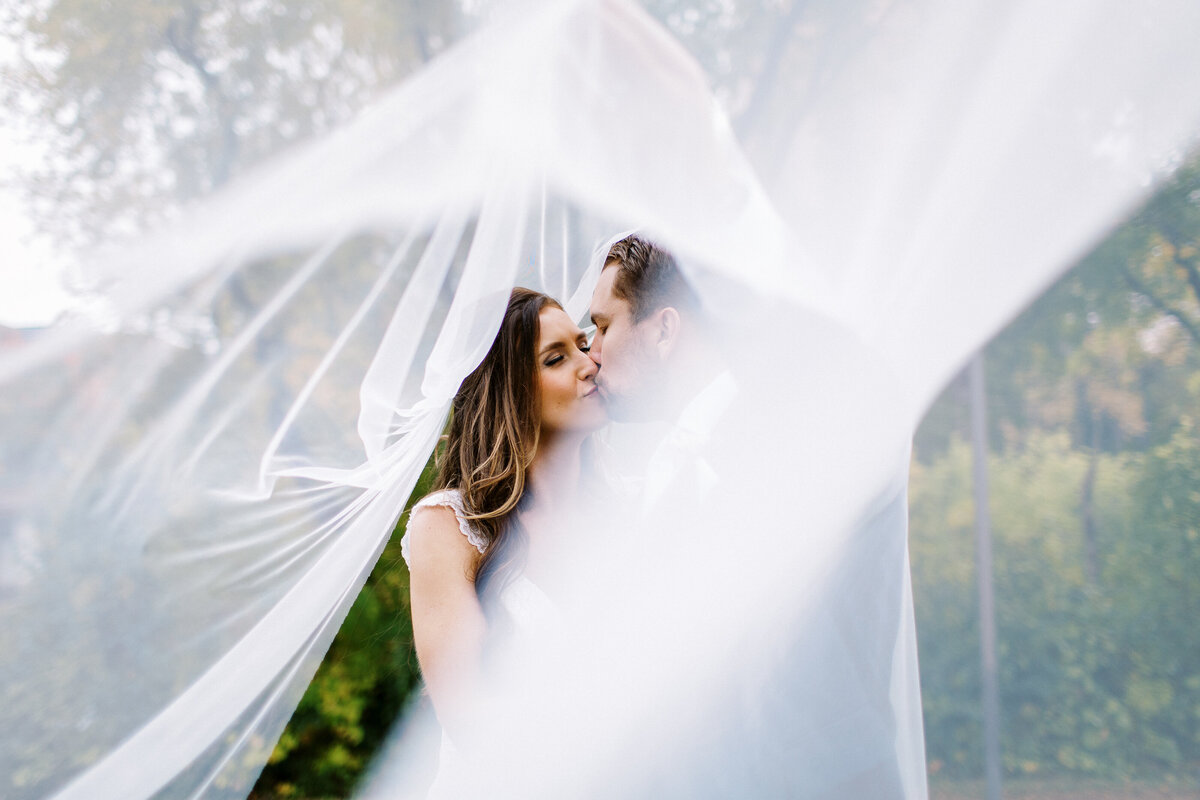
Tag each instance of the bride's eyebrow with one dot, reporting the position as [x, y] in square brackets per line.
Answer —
[562, 345]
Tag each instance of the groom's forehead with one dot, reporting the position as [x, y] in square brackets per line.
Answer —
[607, 280]
[605, 301]
[606, 309]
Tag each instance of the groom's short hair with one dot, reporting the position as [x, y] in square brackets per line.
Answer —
[648, 277]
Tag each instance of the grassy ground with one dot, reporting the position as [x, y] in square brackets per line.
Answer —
[1064, 789]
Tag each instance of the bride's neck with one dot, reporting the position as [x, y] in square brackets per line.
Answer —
[555, 471]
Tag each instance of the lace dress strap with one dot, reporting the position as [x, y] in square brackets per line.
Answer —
[451, 499]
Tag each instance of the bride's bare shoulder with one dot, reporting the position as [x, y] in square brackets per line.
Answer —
[438, 530]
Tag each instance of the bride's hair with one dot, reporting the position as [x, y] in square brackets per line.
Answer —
[494, 426]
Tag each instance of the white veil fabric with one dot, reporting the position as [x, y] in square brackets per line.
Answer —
[862, 194]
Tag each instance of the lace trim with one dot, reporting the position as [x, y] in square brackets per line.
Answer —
[451, 499]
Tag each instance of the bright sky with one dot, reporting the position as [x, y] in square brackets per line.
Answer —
[31, 292]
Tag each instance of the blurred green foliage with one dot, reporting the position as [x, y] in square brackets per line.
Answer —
[1096, 678]
[1094, 461]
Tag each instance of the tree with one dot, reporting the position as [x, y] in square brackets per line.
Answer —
[1093, 446]
[147, 104]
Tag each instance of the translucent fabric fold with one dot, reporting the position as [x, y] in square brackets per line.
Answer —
[861, 193]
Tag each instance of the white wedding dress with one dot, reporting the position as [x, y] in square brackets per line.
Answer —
[533, 617]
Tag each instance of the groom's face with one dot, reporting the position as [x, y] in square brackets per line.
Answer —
[623, 350]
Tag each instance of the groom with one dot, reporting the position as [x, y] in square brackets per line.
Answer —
[658, 363]
[660, 360]
[648, 337]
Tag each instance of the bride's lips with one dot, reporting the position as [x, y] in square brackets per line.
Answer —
[592, 391]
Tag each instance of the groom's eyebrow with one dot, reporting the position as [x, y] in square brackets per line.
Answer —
[597, 318]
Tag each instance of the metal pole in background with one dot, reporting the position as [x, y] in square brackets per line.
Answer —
[983, 558]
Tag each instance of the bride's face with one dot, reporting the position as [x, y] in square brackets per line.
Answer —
[566, 376]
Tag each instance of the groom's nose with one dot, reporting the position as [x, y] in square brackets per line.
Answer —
[594, 347]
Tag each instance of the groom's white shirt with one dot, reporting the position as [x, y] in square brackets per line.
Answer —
[680, 456]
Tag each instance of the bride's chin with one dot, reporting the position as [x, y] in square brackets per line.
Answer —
[591, 420]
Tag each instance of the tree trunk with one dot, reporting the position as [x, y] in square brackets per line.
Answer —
[987, 606]
[1087, 508]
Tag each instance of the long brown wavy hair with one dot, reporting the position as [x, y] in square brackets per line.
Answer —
[494, 426]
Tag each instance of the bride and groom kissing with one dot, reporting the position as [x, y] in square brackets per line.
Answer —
[528, 462]
[520, 458]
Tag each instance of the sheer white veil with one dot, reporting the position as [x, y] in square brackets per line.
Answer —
[201, 486]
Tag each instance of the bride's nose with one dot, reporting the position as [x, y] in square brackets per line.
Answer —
[587, 368]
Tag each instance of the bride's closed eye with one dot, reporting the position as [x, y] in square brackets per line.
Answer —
[554, 361]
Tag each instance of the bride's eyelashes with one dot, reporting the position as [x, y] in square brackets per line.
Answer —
[557, 358]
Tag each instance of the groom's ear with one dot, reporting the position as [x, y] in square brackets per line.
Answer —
[666, 331]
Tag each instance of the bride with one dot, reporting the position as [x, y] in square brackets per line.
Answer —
[478, 546]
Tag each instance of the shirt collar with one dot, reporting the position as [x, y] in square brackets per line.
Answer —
[702, 413]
